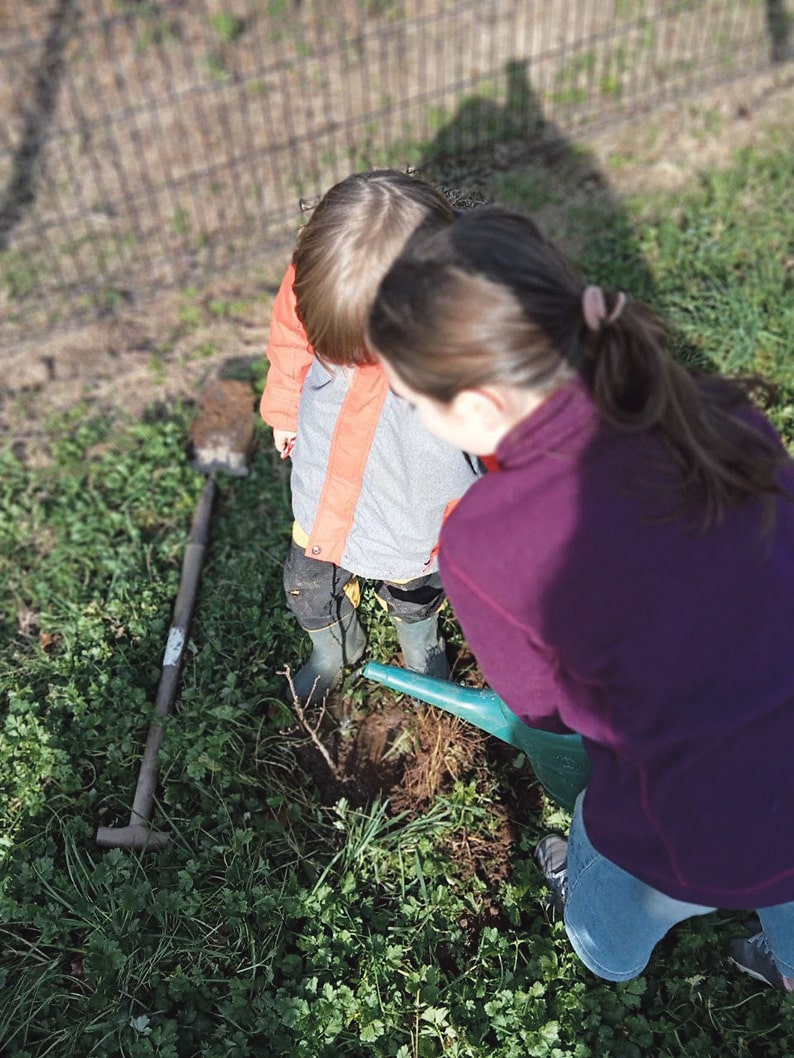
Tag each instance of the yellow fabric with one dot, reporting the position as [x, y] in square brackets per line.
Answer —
[299, 536]
[353, 591]
[353, 587]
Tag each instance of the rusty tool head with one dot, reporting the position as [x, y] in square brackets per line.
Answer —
[222, 434]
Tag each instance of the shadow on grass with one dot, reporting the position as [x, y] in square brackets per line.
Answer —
[38, 110]
[529, 164]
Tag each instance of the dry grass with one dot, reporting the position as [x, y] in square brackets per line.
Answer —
[445, 750]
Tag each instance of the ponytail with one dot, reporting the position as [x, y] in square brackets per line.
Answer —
[722, 455]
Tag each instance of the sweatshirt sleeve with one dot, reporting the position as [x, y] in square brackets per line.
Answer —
[515, 664]
[290, 356]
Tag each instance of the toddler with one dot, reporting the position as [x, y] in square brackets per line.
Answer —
[370, 484]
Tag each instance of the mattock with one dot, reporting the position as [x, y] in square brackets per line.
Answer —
[221, 439]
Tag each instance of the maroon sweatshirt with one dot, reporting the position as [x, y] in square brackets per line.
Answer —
[671, 650]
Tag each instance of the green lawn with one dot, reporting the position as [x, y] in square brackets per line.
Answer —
[277, 921]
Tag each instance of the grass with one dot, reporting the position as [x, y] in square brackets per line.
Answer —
[276, 921]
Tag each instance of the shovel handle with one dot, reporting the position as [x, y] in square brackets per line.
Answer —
[172, 658]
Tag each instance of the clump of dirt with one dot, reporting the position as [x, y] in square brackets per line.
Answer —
[397, 749]
[367, 753]
[392, 748]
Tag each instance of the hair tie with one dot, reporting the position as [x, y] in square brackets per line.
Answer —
[594, 307]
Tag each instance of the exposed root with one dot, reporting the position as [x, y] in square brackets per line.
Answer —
[300, 712]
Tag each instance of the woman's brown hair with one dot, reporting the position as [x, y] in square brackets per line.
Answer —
[490, 300]
[357, 229]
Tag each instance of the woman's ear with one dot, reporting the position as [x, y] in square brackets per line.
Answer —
[483, 411]
[494, 409]
[484, 405]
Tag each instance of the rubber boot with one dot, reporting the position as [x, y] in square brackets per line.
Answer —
[423, 647]
[333, 647]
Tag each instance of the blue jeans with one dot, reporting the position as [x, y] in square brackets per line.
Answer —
[614, 921]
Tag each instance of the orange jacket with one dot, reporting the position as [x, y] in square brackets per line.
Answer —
[290, 357]
[416, 497]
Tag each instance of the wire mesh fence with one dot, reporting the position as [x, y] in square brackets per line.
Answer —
[145, 143]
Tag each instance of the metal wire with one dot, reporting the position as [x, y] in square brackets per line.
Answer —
[145, 143]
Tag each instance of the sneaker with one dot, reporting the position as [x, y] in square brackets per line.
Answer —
[753, 957]
[551, 855]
